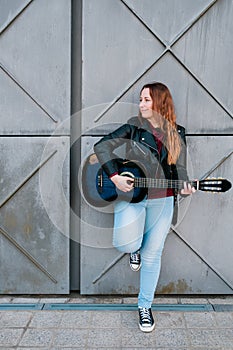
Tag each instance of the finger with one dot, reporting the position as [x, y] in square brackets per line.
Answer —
[185, 186]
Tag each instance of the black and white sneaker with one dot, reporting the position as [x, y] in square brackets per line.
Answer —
[146, 321]
[135, 260]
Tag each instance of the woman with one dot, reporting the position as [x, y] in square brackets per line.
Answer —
[154, 139]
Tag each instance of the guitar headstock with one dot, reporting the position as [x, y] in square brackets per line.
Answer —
[215, 185]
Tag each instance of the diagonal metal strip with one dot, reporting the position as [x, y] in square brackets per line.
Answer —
[27, 179]
[193, 22]
[182, 32]
[112, 263]
[209, 172]
[221, 161]
[4, 69]
[25, 252]
[126, 89]
[179, 36]
[18, 14]
[144, 24]
[12, 240]
[220, 275]
[174, 229]
[167, 49]
[120, 256]
[201, 84]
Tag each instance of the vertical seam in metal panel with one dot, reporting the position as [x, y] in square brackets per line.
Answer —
[75, 135]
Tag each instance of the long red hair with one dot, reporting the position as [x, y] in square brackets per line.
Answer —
[164, 107]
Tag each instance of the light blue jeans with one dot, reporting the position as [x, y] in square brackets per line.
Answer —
[144, 226]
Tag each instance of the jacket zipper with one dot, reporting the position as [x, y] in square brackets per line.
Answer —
[145, 143]
[140, 149]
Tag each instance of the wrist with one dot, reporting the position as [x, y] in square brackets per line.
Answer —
[112, 175]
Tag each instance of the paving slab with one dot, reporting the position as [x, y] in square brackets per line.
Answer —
[158, 300]
[71, 337]
[194, 301]
[10, 336]
[54, 300]
[176, 329]
[223, 319]
[45, 319]
[169, 320]
[172, 338]
[74, 319]
[37, 337]
[109, 338]
[106, 319]
[5, 300]
[15, 319]
[200, 320]
[25, 300]
[211, 337]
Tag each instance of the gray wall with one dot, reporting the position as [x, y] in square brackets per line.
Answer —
[117, 45]
[187, 45]
[35, 48]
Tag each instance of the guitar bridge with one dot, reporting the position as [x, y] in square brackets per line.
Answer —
[100, 182]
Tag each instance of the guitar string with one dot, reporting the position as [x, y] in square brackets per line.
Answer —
[147, 182]
[165, 183]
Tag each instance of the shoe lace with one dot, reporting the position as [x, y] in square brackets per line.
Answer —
[145, 314]
[135, 257]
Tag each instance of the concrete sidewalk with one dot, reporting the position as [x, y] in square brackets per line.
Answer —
[52, 326]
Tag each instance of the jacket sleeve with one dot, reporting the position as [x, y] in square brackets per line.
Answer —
[105, 147]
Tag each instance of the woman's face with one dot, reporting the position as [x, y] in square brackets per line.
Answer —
[146, 104]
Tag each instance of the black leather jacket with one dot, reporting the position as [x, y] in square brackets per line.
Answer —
[140, 145]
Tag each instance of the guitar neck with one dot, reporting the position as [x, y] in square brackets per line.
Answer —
[161, 183]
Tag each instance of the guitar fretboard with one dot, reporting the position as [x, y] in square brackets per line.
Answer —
[161, 183]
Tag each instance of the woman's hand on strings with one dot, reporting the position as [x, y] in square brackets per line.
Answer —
[123, 183]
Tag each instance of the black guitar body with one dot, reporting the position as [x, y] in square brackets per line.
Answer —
[99, 190]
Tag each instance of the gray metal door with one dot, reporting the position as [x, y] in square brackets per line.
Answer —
[187, 45]
[34, 141]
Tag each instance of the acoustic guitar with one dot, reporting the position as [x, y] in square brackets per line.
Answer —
[99, 190]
